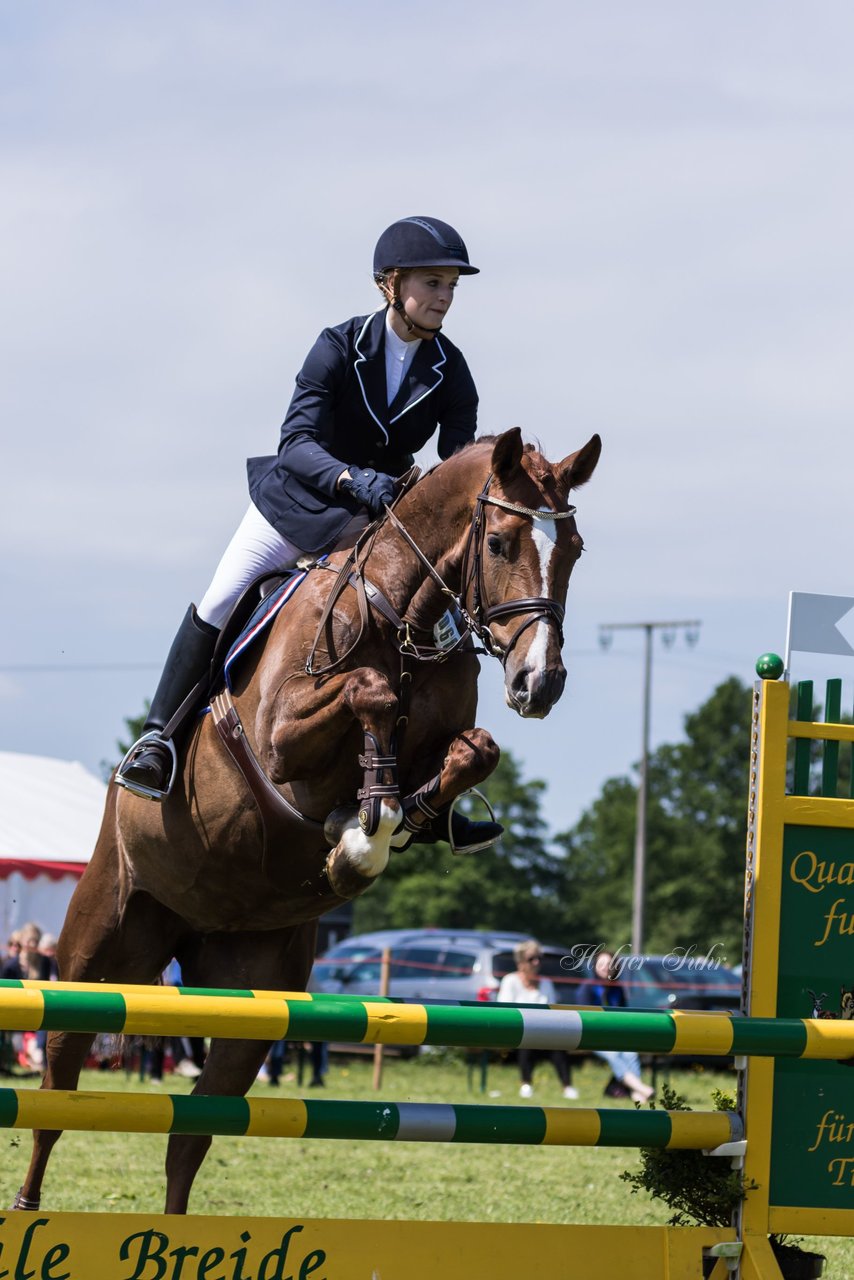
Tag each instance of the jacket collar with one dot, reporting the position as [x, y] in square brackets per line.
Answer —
[423, 376]
[370, 369]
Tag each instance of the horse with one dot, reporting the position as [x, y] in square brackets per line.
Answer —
[232, 870]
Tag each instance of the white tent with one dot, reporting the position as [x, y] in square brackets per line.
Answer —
[50, 814]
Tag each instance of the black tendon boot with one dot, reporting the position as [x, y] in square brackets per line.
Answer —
[149, 765]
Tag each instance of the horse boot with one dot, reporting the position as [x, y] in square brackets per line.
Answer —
[149, 767]
[463, 834]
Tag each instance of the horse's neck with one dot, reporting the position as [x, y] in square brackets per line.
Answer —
[437, 515]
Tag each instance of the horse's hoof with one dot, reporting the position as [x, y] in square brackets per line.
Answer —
[21, 1202]
[357, 859]
[345, 879]
[337, 821]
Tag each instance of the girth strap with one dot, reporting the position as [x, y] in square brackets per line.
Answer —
[275, 810]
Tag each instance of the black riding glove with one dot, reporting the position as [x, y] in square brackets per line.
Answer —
[373, 489]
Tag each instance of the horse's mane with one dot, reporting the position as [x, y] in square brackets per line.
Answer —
[528, 446]
[534, 463]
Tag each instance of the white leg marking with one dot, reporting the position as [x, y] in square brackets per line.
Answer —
[369, 854]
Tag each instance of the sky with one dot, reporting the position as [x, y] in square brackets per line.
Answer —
[659, 197]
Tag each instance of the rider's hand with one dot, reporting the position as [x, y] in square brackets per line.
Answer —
[374, 489]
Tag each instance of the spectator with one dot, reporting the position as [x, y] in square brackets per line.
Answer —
[319, 1055]
[525, 986]
[48, 972]
[603, 989]
[274, 1063]
[30, 1054]
[11, 966]
[187, 1052]
[48, 969]
[31, 965]
[316, 1051]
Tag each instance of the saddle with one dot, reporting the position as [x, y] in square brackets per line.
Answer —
[260, 595]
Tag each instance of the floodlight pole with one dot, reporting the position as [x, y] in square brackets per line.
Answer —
[691, 629]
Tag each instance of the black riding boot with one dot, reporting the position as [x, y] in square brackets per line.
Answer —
[464, 836]
[149, 764]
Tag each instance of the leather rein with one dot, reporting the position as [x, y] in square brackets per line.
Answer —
[477, 618]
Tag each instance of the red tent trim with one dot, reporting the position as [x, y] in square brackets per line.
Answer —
[32, 870]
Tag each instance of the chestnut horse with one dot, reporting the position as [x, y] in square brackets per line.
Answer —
[205, 877]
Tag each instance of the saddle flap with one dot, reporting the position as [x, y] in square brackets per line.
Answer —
[250, 619]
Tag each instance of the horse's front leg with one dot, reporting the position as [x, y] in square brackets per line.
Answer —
[470, 759]
[362, 847]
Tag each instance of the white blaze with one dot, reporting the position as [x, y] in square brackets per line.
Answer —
[544, 534]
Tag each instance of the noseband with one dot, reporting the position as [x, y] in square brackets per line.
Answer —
[481, 613]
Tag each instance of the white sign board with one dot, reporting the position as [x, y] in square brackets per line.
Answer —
[820, 624]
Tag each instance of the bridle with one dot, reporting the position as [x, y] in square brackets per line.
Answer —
[470, 604]
[482, 614]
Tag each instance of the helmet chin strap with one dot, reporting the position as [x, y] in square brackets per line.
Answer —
[393, 299]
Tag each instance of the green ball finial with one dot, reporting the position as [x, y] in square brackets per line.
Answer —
[769, 666]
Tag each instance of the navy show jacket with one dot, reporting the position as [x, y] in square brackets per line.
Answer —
[339, 416]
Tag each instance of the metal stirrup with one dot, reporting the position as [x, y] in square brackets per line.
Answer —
[139, 788]
[483, 844]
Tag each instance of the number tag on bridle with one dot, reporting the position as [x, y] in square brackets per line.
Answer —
[446, 632]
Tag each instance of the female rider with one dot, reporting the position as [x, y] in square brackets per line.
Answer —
[372, 391]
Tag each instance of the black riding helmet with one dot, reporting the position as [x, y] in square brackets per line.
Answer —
[421, 242]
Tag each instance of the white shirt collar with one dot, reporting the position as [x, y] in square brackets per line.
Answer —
[398, 357]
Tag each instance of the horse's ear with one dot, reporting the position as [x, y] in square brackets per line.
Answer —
[577, 469]
[507, 453]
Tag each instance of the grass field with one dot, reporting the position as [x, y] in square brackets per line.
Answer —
[348, 1179]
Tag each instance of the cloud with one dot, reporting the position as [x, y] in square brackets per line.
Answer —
[658, 202]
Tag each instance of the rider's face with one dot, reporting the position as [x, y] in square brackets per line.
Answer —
[426, 294]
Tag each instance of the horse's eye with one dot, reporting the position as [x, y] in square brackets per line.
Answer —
[494, 544]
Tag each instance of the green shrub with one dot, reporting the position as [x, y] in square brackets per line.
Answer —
[703, 1190]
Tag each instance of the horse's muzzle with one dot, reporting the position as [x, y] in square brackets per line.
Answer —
[532, 692]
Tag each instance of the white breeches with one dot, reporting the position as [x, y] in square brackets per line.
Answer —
[256, 548]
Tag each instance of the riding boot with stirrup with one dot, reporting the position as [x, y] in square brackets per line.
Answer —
[463, 834]
[149, 767]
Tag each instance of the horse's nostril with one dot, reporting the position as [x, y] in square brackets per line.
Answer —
[531, 689]
[520, 685]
